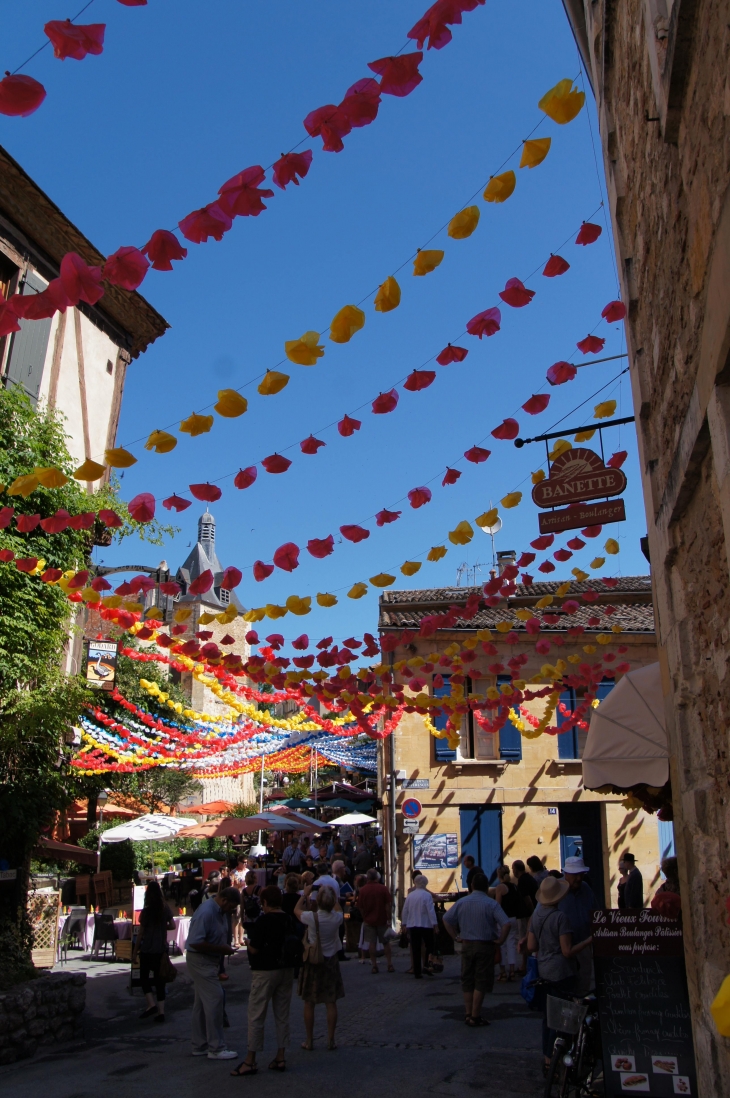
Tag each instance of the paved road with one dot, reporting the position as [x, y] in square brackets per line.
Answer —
[395, 1035]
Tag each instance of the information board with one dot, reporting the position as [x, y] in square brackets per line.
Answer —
[643, 1004]
[435, 851]
[101, 664]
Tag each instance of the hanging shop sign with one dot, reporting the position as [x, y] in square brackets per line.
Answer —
[577, 516]
[101, 664]
[643, 1003]
[578, 475]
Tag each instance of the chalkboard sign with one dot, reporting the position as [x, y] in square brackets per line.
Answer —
[643, 1005]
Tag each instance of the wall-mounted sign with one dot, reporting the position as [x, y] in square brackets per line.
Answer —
[415, 783]
[411, 808]
[101, 664]
[439, 851]
[587, 514]
[578, 475]
[411, 827]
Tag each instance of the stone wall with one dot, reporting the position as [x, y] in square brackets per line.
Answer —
[41, 1012]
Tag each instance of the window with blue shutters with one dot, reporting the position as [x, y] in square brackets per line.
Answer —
[442, 751]
[510, 738]
[29, 347]
[568, 739]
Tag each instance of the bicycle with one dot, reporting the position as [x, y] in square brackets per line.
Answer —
[575, 1069]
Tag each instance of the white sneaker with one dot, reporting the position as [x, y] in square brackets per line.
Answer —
[223, 1054]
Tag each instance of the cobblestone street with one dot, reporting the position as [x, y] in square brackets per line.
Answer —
[395, 1035]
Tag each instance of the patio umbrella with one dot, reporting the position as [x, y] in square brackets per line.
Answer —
[240, 825]
[352, 819]
[296, 817]
[212, 808]
[144, 827]
[340, 802]
[627, 738]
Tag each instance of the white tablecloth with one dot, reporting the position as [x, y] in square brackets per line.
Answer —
[124, 930]
[180, 934]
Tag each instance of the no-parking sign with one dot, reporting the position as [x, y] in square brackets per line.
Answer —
[411, 808]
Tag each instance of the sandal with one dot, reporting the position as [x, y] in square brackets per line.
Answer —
[390, 968]
[331, 1046]
[307, 1047]
[374, 971]
[277, 1065]
[251, 1069]
[474, 1023]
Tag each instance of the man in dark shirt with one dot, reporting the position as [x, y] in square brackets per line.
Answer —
[526, 886]
[634, 890]
[579, 904]
[376, 904]
[270, 980]
[471, 868]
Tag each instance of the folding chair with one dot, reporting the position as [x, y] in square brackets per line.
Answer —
[83, 891]
[74, 930]
[104, 931]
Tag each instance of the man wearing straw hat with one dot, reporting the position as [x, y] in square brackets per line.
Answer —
[551, 937]
[578, 904]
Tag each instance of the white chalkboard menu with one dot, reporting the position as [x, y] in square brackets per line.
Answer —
[643, 1005]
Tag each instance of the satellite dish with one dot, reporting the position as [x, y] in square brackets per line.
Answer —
[492, 529]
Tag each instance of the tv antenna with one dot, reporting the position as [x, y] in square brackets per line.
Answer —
[492, 531]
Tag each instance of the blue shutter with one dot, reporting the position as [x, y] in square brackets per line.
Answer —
[666, 839]
[510, 738]
[568, 740]
[29, 346]
[481, 836]
[442, 751]
[604, 688]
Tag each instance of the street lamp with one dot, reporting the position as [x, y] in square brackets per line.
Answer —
[101, 799]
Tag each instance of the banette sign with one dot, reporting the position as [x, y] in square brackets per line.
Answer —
[575, 476]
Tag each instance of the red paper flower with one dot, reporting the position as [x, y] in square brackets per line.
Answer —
[20, 96]
[201, 224]
[203, 583]
[386, 402]
[555, 265]
[536, 404]
[454, 354]
[419, 496]
[262, 571]
[383, 517]
[26, 564]
[560, 372]
[142, 507]
[57, 523]
[509, 572]
[9, 317]
[109, 518]
[354, 533]
[291, 165]
[451, 477]
[399, 75]
[543, 542]
[419, 379]
[26, 523]
[614, 311]
[100, 584]
[588, 233]
[6, 514]
[311, 445]
[43, 305]
[526, 579]
[348, 426]
[169, 587]
[162, 248]
[361, 102]
[179, 503]
[208, 493]
[616, 460]
[575, 543]
[133, 3]
[244, 478]
[546, 566]
[241, 195]
[486, 323]
[434, 24]
[276, 464]
[477, 454]
[80, 282]
[126, 268]
[562, 555]
[591, 531]
[612, 581]
[51, 575]
[321, 547]
[74, 39]
[590, 596]
[516, 294]
[591, 345]
[286, 556]
[82, 522]
[525, 560]
[301, 643]
[508, 429]
[329, 123]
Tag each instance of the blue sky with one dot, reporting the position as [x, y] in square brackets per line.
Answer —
[183, 98]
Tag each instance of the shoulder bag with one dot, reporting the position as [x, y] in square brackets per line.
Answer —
[313, 954]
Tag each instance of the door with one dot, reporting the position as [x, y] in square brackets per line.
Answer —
[580, 836]
[666, 839]
[481, 836]
[29, 346]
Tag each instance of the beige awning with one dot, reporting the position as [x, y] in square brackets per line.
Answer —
[627, 739]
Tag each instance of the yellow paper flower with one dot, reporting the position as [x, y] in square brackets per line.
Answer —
[437, 552]
[119, 458]
[574, 658]
[503, 626]
[512, 499]
[255, 614]
[617, 629]
[388, 296]
[506, 689]
[605, 409]
[410, 567]
[112, 601]
[89, 471]
[464, 223]
[357, 591]
[305, 351]
[154, 614]
[24, 485]
[597, 562]
[344, 324]
[383, 579]
[161, 442]
[230, 404]
[323, 599]
[562, 103]
[182, 613]
[546, 600]
[493, 693]
[274, 611]
[579, 574]
[273, 382]
[611, 547]
[523, 614]
[229, 614]
[537, 476]
[584, 436]
[562, 591]
[559, 448]
[534, 152]
[299, 606]
[462, 533]
[39, 568]
[427, 261]
[604, 638]
[500, 187]
[50, 477]
[589, 648]
[488, 518]
[196, 425]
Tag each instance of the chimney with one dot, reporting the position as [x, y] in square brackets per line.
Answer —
[505, 557]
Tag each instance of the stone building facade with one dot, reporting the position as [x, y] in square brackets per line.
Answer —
[660, 70]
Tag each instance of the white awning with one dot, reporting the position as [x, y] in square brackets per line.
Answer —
[627, 739]
[351, 819]
[144, 827]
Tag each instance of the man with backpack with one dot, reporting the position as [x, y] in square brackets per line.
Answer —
[274, 952]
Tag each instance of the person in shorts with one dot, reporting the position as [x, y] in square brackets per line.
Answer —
[480, 924]
[376, 905]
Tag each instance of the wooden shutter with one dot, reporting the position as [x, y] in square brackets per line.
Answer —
[442, 751]
[29, 346]
[567, 740]
[481, 836]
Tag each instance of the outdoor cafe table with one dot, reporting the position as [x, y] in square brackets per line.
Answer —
[178, 936]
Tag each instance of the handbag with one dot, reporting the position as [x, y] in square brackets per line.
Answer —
[168, 972]
[528, 984]
[313, 954]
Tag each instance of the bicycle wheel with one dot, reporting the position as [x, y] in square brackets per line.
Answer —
[555, 1073]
